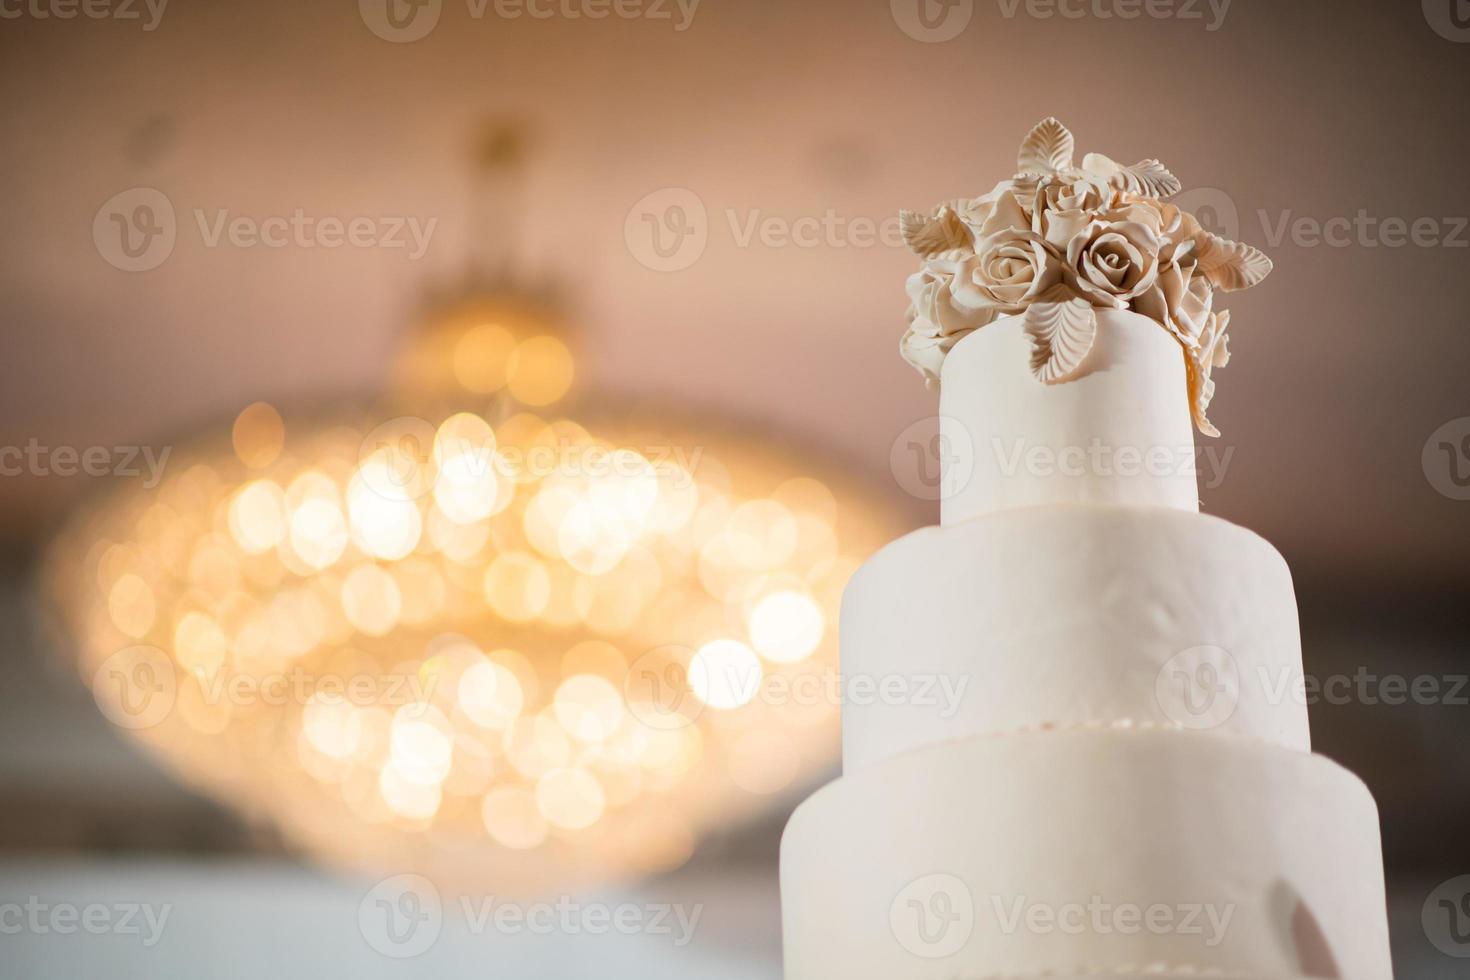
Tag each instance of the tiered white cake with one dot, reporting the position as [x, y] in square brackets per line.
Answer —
[1126, 785]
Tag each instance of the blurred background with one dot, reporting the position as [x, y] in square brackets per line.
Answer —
[244, 237]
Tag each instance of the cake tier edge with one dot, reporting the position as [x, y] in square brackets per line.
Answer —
[1067, 852]
[1072, 616]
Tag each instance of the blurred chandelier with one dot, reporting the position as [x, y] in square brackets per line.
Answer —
[466, 634]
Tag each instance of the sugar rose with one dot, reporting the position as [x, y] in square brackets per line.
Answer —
[1112, 261]
[936, 321]
[1057, 242]
[1012, 268]
[1063, 207]
[932, 300]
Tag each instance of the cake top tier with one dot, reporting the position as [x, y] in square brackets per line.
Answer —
[1058, 242]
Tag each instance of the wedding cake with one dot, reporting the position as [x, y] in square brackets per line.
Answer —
[1125, 785]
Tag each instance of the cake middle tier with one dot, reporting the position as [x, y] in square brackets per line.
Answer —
[1071, 616]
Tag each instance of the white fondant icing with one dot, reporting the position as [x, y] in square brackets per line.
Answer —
[1080, 696]
[1028, 855]
[1099, 235]
[1117, 432]
[1072, 615]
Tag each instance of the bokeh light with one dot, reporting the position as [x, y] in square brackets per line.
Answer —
[478, 639]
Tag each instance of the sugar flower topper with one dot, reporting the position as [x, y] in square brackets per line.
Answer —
[1057, 242]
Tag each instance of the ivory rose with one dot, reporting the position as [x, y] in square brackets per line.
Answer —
[932, 300]
[936, 322]
[1012, 268]
[1063, 207]
[1056, 242]
[1112, 261]
[1179, 299]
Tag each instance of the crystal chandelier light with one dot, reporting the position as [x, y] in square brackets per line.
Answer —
[465, 633]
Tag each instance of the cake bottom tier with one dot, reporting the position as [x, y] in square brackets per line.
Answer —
[1087, 853]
